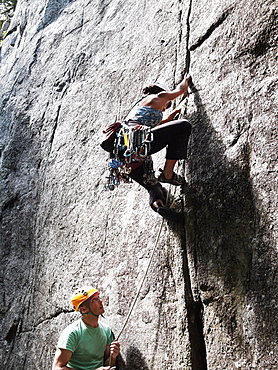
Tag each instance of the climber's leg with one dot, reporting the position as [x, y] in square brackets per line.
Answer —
[156, 192]
[175, 135]
[157, 197]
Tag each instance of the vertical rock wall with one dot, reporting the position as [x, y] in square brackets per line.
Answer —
[232, 217]
[67, 69]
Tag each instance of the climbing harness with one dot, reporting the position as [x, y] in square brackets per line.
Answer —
[131, 148]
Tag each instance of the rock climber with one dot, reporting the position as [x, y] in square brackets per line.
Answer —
[86, 343]
[169, 133]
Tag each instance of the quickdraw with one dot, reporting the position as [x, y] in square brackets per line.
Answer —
[117, 171]
[133, 145]
[130, 147]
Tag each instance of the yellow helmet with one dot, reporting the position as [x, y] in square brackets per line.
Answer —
[81, 295]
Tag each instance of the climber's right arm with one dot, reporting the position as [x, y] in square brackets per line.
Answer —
[62, 357]
[179, 90]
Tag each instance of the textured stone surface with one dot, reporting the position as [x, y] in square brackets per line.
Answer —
[67, 69]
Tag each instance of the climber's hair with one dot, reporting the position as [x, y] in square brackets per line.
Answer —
[152, 89]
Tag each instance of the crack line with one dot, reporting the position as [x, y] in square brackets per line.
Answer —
[54, 128]
[211, 29]
[187, 55]
[194, 308]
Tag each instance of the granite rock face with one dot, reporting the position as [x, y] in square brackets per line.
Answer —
[68, 69]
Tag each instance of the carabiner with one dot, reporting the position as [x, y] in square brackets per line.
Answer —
[144, 152]
[127, 155]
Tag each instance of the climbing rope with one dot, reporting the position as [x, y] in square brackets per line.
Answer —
[144, 276]
[142, 281]
[140, 286]
[183, 113]
[146, 271]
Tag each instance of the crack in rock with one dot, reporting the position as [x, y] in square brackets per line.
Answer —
[211, 29]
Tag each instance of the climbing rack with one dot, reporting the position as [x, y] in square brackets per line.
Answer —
[134, 143]
[131, 146]
[117, 171]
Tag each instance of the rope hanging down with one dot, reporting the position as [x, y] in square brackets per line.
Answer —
[143, 279]
[139, 289]
[182, 114]
[142, 282]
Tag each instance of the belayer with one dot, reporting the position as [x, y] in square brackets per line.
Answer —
[169, 133]
[86, 343]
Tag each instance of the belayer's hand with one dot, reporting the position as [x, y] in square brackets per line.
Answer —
[114, 349]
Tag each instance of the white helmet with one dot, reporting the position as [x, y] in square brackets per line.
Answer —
[162, 86]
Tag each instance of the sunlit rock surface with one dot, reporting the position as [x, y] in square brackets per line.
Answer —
[68, 69]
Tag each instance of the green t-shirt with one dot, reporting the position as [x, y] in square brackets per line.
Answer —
[86, 344]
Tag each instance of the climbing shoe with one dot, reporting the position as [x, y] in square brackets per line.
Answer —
[168, 213]
[171, 215]
[174, 180]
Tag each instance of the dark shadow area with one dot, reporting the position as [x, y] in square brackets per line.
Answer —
[195, 314]
[194, 307]
[225, 236]
[134, 360]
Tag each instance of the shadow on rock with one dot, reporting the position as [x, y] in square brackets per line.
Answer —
[134, 360]
[225, 236]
